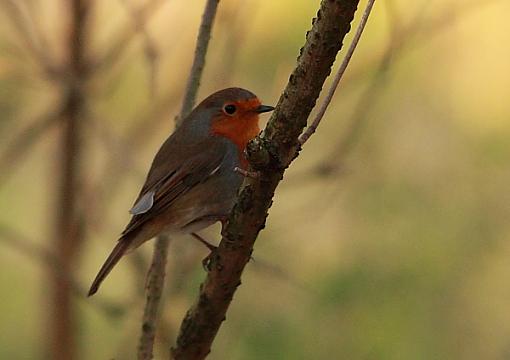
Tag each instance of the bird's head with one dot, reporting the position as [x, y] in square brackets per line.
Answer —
[234, 114]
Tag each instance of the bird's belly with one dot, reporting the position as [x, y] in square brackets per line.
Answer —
[197, 210]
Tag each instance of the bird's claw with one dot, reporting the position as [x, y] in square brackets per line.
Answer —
[207, 261]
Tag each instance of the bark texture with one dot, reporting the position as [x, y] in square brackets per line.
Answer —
[269, 154]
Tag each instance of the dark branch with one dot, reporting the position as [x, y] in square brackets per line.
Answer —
[269, 154]
[340, 73]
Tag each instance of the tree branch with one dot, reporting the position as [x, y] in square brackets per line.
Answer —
[340, 73]
[156, 275]
[204, 35]
[155, 283]
[402, 38]
[270, 154]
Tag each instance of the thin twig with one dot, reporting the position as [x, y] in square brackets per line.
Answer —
[155, 283]
[341, 71]
[270, 154]
[415, 33]
[204, 35]
[161, 244]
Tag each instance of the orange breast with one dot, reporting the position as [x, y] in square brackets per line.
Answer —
[239, 129]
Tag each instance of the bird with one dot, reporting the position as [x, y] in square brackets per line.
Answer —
[192, 182]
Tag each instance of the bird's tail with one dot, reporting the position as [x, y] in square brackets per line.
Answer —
[118, 251]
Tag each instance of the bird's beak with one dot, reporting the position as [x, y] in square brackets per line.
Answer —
[264, 108]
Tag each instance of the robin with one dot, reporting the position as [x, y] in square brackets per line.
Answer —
[192, 182]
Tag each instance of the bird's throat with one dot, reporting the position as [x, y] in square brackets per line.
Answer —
[238, 130]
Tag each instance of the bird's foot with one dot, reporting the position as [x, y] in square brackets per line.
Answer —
[206, 262]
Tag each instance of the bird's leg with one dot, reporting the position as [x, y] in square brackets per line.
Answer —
[246, 173]
[206, 262]
[205, 242]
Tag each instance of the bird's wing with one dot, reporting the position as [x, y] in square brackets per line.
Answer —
[174, 173]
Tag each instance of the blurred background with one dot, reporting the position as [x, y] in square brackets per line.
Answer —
[388, 238]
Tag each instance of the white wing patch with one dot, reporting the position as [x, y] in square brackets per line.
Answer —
[215, 170]
[144, 204]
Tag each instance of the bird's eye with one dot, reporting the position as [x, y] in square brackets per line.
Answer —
[230, 109]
